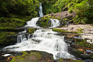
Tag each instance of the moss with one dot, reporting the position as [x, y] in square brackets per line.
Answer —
[83, 43]
[14, 22]
[5, 38]
[59, 30]
[44, 22]
[32, 57]
[60, 60]
[91, 56]
[31, 30]
[77, 53]
[80, 30]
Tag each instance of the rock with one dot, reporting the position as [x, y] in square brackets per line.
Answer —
[88, 60]
[89, 51]
[62, 15]
[34, 56]
[85, 56]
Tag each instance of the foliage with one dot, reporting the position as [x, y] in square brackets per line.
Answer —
[22, 7]
[82, 8]
[48, 6]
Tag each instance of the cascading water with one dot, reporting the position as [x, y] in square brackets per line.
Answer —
[42, 40]
[54, 23]
[32, 23]
[40, 10]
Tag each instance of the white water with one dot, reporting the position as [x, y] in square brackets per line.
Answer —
[40, 10]
[54, 23]
[32, 23]
[44, 40]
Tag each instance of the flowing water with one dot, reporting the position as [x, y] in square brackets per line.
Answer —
[43, 40]
[40, 10]
[32, 23]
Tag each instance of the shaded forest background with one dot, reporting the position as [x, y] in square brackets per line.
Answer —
[16, 11]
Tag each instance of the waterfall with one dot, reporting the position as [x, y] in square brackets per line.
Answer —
[19, 38]
[40, 10]
[32, 23]
[42, 40]
[54, 23]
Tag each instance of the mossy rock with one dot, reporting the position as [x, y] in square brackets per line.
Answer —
[68, 60]
[76, 61]
[31, 30]
[80, 30]
[33, 56]
[7, 38]
[59, 30]
[10, 29]
[77, 53]
[60, 60]
[83, 43]
[17, 21]
[44, 22]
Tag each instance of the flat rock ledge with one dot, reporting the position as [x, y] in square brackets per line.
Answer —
[87, 30]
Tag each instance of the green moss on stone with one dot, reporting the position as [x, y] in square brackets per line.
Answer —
[83, 43]
[59, 30]
[5, 37]
[60, 60]
[80, 30]
[76, 61]
[31, 30]
[13, 22]
[68, 60]
[32, 57]
[43, 22]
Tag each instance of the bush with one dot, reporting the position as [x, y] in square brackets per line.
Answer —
[22, 7]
